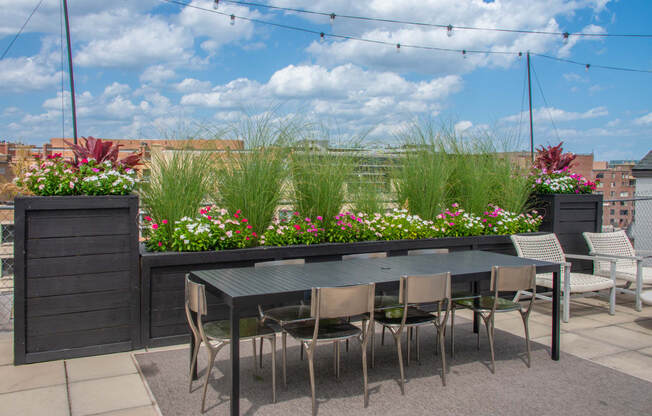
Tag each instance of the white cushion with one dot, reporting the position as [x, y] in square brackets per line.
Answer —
[628, 273]
[579, 282]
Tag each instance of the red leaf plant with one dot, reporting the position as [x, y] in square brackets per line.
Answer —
[552, 158]
[103, 151]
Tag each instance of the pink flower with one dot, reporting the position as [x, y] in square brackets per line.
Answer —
[208, 208]
[254, 234]
[244, 220]
[451, 224]
[295, 213]
[147, 218]
[237, 231]
[160, 244]
[238, 211]
[319, 218]
[72, 185]
[249, 227]
[84, 160]
[297, 227]
[307, 219]
[96, 170]
[246, 238]
[344, 228]
[164, 221]
[235, 215]
[490, 225]
[455, 205]
[484, 220]
[155, 226]
[209, 217]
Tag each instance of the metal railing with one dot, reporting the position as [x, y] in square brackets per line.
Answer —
[6, 267]
[639, 230]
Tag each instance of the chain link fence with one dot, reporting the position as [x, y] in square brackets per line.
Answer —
[6, 267]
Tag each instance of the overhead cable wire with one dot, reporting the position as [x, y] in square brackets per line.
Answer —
[437, 25]
[397, 45]
[20, 31]
[536, 78]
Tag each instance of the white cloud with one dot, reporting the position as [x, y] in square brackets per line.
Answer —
[565, 50]
[157, 74]
[116, 89]
[27, 74]
[192, 85]
[462, 126]
[644, 120]
[558, 115]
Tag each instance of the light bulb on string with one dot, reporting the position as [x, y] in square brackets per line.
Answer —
[232, 22]
[586, 68]
[565, 37]
[216, 4]
[398, 48]
[322, 37]
[449, 30]
[464, 53]
[332, 19]
[520, 55]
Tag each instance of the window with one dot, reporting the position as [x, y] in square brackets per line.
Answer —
[599, 175]
[623, 203]
[623, 212]
[612, 211]
[613, 184]
[622, 175]
[622, 194]
[613, 176]
[600, 185]
[612, 193]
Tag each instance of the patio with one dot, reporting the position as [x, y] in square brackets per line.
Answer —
[113, 385]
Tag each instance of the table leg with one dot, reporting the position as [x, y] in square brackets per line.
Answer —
[192, 348]
[235, 361]
[476, 316]
[556, 325]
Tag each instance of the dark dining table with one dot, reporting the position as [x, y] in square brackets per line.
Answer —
[243, 288]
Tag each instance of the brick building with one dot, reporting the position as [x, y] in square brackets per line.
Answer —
[618, 187]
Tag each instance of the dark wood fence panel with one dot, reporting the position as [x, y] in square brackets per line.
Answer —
[77, 281]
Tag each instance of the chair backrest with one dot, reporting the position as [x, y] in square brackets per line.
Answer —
[425, 288]
[195, 297]
[422, 251]
[544, 247]
[338, 302]
[616, 243]
[510, 278]
[377, 255]
[274, 263]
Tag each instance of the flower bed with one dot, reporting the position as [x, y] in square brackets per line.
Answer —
[562, 181]
[216, 229]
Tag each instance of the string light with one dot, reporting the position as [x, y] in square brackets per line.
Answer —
[414, 46]
[232, 22]
[332, 19]
[216, 4]
[565, 37]
[464, 53]
[322, 37]
[520, 55]
[398, 48]
[449, 31]
[587, 67]
[406, 22]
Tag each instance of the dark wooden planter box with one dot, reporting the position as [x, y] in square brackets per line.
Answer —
[568, 216]
[76, 276]
[162, 275]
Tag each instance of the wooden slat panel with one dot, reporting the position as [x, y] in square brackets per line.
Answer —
[67, 266]
[572, 215]
[54, 305]
[78, 339]
[78, 223]
[56, 324]
[77, 246]
[176, 298]
[98, 282]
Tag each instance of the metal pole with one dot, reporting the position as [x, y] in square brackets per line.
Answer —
[529, 93]
[72, 78]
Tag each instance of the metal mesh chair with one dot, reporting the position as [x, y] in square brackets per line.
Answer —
[338, 303]
[629, 265]
[502, 279]
[215, 335]
[415, 291]
[546, 247]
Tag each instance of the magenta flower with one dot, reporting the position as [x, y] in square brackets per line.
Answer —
[297, 227]
[164, 221]
[451, 224]
[343, 228]
[160, 244]
[319, 218]
[307, 219]
[155, 226]
[96, 170]
[147, 218]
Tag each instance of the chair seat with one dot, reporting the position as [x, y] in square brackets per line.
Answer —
[328, 330]
[385, 301]
[393, 317]
[285, 314]
[628, 274]
[579, 282]
[486, 303]
[249, 328]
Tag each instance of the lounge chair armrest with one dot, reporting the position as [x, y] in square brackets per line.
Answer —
[616, 256]
[592, 258]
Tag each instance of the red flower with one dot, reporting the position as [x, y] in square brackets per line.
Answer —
[160, 244]
[84, 160]
[249, 227]
[244, 220]
[209, 217]
[237, 231]
[254, 234]
[297, 227]
[147, 218]
[164, 221]
[236, 215]
[155, 226]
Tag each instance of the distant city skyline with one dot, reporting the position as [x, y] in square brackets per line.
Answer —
[144, 69]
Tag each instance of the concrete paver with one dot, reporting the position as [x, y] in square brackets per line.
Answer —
[100, 366]
[31, 376]
[107, 394]
[50, 401]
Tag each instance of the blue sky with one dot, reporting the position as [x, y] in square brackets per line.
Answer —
[147, 68]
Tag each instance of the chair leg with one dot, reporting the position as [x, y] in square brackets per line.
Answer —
[211, 360]
[253, 342]
[364, 376]
[527, 338]
[452, 333]
[612, 301]
[442, 343]
[490, 334]
[272, 342]
[311, 368]
[284, 357]
[408, 337]
[566, 297]
[416, 341]
[397, 339]
[260, 354]
[382, 337]
[639, 287]
[193, 362]
[336, 359]
[372, 341]
[301, 353]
